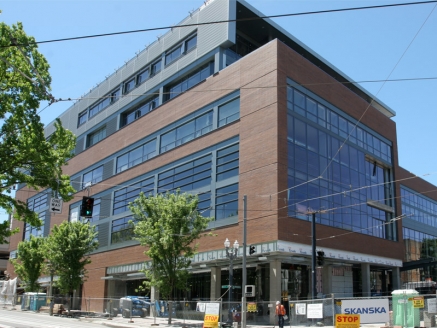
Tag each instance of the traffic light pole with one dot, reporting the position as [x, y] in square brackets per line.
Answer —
[313, 257]
[243, 299]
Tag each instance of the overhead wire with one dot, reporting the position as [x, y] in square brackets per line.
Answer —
[170, 27]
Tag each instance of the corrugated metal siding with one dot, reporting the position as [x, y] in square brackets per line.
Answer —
[105, 205]
[214, 34]
[103, 236]
[111, 126]
[209, 37]
[47, 223]
[108, 169]
[79, 145]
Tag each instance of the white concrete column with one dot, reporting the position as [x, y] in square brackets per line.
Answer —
[216, 281]
[275, 287]
[365, 278]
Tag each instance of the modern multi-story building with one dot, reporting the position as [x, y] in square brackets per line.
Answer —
[244, 108]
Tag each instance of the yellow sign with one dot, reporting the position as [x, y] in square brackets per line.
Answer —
[251, 307]
[347, 320]
[210, 321]
[418, 302]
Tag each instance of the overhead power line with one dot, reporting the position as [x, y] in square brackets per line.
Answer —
[228, 21]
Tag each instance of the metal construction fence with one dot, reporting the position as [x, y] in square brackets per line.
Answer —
[407, 310]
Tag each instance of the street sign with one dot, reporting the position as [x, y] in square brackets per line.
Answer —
[56, 205]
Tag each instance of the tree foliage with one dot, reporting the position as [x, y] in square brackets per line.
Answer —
[27, 156]
[68, 248]
[168, 224]
[29, 263]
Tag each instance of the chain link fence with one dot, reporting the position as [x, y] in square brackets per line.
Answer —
[406, 310]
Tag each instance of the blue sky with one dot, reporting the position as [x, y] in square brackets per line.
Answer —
[374, 44]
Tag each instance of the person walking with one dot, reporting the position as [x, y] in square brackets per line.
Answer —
[280, 312]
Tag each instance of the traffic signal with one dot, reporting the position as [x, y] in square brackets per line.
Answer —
[252, 250]
[86, 210]
[320, 257]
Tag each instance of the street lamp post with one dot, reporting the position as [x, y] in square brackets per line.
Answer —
[52, 271]
[231, 253]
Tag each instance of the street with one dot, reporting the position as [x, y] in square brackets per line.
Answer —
[25, 319]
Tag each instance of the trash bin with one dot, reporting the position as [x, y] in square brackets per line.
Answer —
[404, 312]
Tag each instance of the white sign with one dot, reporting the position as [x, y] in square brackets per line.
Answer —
[315, 311]
[56, 205]
[212, 308]
[432, 305]
[301, 309]
[200, 307]
[370, 311]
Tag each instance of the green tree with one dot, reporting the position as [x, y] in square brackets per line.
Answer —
[27, 156]
[168, 224]
[29, 263]
[68, 249]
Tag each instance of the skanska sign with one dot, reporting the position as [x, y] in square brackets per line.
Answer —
[370, 311]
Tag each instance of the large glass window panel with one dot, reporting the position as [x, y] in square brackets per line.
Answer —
[185, 133]
[299, 99]
[312, 139]
[122, 163]
[300, 133]
[226, 202]
[229, 112]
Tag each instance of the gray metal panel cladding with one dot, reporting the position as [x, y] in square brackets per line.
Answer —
[105, 205]
[20, 185]
[47, 218]
[76, 183]
[111, 126]
[212, 35]
[108, 169]
[103, 234]
[79, 145]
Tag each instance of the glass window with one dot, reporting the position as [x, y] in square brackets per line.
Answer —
[229, 112]
[35, 231]
[189, 81]
[173, 55]
[95, 137]
[187, 177]
[92, 177]
[143, 76]
[136, 156]
[155, 68]
[37, 203]
[226, 202]
[129, 85]
[124, 196]
[191, 43]
[186, 132]
[115, 95]
[82, 118]
[227, 162]
[122, 230]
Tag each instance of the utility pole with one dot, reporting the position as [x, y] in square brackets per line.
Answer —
[243, 298]
[313, 255]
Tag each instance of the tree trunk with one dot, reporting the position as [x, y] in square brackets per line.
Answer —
[170, 311]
